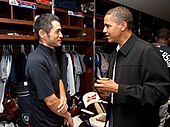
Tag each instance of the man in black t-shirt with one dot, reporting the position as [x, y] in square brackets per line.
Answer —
[47, 93]
[162, 42]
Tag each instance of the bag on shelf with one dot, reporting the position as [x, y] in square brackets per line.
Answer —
[72, 5]
[11, 109]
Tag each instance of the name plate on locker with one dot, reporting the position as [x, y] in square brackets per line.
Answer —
[22, 3]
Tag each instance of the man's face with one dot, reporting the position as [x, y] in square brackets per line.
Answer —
[55, 36]
[111, 29]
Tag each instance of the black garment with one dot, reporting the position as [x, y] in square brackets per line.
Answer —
[23, 91]
[21, 62]
[72, 5]
[24, 103]
[165, 52]
[12, 79]
[144, 84]
[43, 77]
[63, 62]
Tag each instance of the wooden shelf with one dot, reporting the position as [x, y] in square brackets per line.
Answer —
[99, 17]
[15, 21]
[97, 30]
[13, 37]
[73, 39]
[43, 6]
[101, 41]
[72, 27]
[76, 39]
[88, 16]
[4, 0]
[61, 10]
[49, 7]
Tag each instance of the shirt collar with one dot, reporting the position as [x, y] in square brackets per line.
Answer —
[46, 49]
[128, 45]
[118, 47]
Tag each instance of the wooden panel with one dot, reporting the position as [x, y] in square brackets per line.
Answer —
[15, 21]
[13, 37]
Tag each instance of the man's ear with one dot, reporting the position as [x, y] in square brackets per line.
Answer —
[42, 34]
[123, 26]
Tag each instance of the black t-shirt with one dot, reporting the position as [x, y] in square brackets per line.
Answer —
[43, 75]
[165, 52]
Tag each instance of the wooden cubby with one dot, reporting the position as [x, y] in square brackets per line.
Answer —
[15, 22]
[88, 21]
[14, 19]
[64, 17]
[22, 13]
[5, 10]
[42, 9]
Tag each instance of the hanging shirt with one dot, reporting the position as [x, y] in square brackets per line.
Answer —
[77, 70]
[6, 61]
[70, 76]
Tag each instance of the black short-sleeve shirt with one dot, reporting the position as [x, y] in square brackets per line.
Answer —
[43, 75]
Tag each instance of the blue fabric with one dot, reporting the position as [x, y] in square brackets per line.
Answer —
[68, 4]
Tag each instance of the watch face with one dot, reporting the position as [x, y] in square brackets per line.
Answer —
[25, 117]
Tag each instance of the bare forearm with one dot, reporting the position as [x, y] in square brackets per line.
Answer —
[56, 110]
[62, 90]
[65, 115]
[56, 105]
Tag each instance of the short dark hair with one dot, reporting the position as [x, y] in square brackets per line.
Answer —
[163, 34]
[44, 22]
[120, 14]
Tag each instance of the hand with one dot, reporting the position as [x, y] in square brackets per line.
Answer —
[62, 108]
[104, 95]
[106, 85]
[63, 100]
[69, 122]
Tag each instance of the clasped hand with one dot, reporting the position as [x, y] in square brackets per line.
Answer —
[105, 86]
[62, 107]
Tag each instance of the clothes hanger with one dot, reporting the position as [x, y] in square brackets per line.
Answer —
[32, 48]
